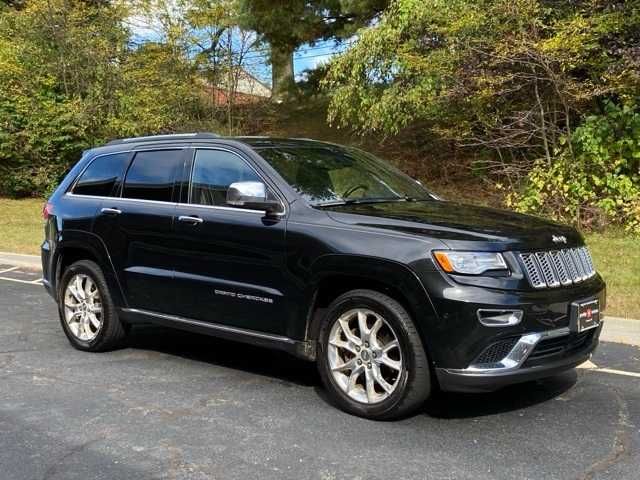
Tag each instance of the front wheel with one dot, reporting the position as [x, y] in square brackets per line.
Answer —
[371, 358]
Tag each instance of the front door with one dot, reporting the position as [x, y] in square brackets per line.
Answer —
[230, 261]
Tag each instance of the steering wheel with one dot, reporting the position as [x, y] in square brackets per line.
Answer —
[354, 189]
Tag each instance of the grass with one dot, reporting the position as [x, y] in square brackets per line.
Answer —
[616, 255]
[21, 225]
[617, 258]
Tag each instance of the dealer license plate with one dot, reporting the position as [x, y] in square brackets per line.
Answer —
[585, 315]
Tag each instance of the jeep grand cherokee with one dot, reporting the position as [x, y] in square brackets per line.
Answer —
[325, 252]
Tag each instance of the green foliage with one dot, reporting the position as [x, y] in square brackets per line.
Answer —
[470, 69]
[286, 24]
[509, 80]
[69, 80]
[165, 97]
[600, 182]
[52, 80]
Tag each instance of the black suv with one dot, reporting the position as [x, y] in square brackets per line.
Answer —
[325, 252]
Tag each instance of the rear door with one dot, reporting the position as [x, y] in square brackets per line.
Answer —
[230, 263]
[137, 228]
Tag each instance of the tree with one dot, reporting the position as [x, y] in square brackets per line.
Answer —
[287, 24]
[543, 93]
[508, 76]
[69, 79]
[58, 74]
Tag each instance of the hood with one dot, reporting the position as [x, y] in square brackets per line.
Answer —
[459, 225]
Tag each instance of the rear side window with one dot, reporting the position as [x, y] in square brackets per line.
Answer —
[213, 172]
[152, 174]
[102, 176]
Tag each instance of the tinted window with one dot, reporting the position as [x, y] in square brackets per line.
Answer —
[102, 175]
[151, 175]
[328, 174]
[213, 172]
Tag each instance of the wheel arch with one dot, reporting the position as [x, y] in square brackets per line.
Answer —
[80, 245]
[336, 274]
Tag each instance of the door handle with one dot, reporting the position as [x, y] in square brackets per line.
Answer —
[191, 220]
[111, 211]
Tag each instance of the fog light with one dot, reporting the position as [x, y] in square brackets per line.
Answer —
[499, 318]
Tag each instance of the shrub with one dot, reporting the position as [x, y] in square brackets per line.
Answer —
[597, 180]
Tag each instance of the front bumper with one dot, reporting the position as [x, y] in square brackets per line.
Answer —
[533, 356]
[455, 337]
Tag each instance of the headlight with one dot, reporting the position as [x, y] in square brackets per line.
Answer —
[469, 263]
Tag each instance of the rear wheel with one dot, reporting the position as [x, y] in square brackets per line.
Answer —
[371, 357]
[87, 313]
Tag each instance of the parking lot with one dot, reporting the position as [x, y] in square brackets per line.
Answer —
[179, 406]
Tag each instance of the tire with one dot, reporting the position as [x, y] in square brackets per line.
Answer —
[111, 332]
[411, 386]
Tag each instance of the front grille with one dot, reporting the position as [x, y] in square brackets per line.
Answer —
[554, 268]
[496, 351]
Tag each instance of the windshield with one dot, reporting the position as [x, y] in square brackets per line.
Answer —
[331, 175]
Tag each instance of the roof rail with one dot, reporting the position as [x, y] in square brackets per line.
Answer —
[158, 138]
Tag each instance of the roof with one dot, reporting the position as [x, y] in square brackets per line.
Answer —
[276, 142]
[255, 143]
[164, 138]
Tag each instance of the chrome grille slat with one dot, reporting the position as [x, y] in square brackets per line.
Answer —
[576, 259]
[588, 258]
[585, 264]
[561, 269]
[547, 270]
[571, 268]
[531, 267]
[551, 269]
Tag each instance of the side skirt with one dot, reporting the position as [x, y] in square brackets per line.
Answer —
[301, 349]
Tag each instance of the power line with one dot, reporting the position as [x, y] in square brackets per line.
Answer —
[297, 56]
[267, 50]
[256, 53]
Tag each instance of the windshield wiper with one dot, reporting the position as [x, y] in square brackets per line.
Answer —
[359, 201]
[407, 198]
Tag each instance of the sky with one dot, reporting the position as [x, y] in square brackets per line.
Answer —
[306, 57]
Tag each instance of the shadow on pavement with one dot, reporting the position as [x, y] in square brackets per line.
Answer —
[289, 370]
[514, 397]
[202, 348]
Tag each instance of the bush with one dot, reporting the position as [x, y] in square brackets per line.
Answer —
[597, 180]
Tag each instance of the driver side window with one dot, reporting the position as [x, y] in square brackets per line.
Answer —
[213, 172]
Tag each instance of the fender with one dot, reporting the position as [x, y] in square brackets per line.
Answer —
[396, 276]
[96, 249]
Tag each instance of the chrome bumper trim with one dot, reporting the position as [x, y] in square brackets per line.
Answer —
[515, 358]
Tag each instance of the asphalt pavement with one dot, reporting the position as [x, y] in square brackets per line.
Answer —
[174, 405]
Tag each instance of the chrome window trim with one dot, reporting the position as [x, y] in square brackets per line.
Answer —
[216, 207]
[175, 204]
[70, 193]
[515, 358]
[141, 200]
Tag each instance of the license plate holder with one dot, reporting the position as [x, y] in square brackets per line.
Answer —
[585, 315]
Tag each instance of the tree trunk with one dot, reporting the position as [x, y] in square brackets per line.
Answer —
[282, 74]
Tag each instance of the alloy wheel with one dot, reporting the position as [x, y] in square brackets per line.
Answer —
[364, 356]
[83, 311]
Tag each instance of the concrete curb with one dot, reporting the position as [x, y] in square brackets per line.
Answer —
[621, 330]
[616, 330]
[32, 262]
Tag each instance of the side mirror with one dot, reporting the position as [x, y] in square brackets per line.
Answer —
[252, 195]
